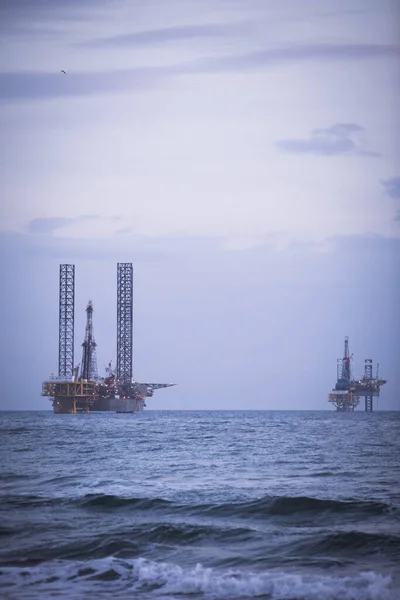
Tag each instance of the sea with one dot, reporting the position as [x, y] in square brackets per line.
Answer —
[200, 505]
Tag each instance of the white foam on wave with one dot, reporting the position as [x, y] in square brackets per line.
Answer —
[280, 586]
[147, 579]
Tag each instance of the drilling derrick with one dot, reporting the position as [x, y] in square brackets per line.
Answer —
[89, 361]
[346, 395]
[342, 397]
[346, 366]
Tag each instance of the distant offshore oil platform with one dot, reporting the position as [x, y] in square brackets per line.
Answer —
[347, 392]
[79, 388]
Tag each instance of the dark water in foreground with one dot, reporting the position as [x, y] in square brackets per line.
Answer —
[277, 505]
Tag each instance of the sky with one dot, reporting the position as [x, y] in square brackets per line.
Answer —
[242, 154]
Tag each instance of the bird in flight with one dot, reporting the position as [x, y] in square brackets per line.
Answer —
[62, 71]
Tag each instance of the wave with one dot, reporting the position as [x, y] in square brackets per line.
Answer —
[101, 501]
[112, 501]
[11, 477]
[189, 534]
[128, 542]
[293, 505]
[8, 531]
[225, 543]
[148, 579]
[14, 430]
[29, 500]
[275, 506]
[359, 541]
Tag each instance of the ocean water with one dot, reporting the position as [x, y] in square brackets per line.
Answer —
[194, 505]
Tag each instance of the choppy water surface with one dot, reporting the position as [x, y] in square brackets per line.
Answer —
[273, 505]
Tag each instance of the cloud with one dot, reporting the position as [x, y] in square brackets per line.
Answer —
[170, 34]
[339, 139]
[24, 11]
[41, 85]
[392, 187]
[84, 227]
[132, 247]
[48, 225]
[297, 53]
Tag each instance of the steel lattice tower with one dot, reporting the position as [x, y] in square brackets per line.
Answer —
[66, 321]
[124, 321]
[89, 360]
[369, 407]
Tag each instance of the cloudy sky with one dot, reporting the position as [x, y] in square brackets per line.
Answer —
[243, 154]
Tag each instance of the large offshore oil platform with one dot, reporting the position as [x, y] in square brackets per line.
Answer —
[79, 388]
[347, 392]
